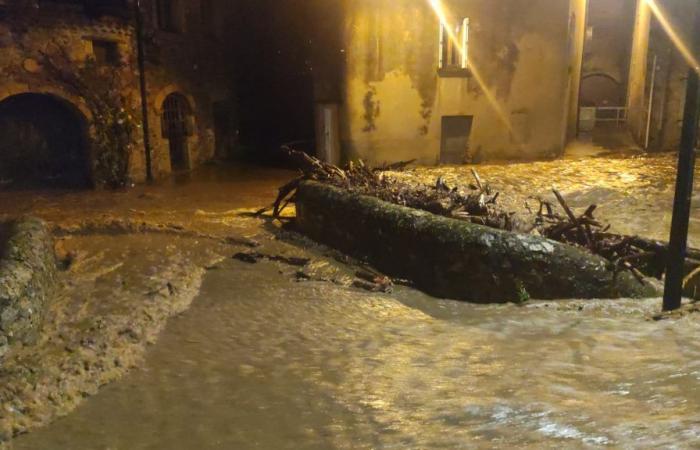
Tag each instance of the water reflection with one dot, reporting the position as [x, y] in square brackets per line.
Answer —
[281, 364]
[262, 361]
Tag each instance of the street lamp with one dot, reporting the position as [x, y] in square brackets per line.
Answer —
[678, 245]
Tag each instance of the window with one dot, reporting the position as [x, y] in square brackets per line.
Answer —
[454, 49]
[166, 16]
[105, 52]
[207, 13]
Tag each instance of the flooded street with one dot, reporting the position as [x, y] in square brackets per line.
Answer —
[267, 359]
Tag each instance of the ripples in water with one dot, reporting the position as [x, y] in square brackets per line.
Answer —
[282, 364]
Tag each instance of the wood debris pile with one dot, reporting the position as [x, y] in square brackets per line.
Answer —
[479, 205]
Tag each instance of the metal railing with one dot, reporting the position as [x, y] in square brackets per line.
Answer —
[611, 114]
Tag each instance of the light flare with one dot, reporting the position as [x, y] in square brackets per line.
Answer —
[675, 37]
[441, 14]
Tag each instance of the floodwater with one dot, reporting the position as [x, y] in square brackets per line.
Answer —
[262, 360]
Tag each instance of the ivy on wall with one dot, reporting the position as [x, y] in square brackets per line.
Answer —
[105, 91]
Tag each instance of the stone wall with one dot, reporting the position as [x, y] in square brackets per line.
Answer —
[455, 259]
[188, 61]
[67, 36]
[27, 280]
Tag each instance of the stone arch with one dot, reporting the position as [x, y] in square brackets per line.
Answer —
[160, 97]
[177, 125]
[71, 100]
[602, 89]
[44, 141]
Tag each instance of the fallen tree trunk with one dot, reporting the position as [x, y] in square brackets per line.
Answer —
[453, 258]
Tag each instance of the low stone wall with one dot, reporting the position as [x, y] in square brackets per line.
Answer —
[27, 278]
[455, 259]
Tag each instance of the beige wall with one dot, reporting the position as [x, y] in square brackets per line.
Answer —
[636, 97]
[577, 37]
[394, 99]
[651, 40]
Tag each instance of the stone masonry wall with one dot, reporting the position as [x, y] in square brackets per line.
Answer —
[27, 280]
[454, 259]
[189, 62]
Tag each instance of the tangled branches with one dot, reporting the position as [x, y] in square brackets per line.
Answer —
[478, 203]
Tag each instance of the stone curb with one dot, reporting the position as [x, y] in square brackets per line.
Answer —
[27, 280]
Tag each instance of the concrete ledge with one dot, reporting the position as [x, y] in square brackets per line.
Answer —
[27, 279]
[455, 259]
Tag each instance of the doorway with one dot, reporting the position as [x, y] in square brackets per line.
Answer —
[177, 127]
[454, 147]
[605, 72]
[43, 143]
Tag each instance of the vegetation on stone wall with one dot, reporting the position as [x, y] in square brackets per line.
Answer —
[114, 125]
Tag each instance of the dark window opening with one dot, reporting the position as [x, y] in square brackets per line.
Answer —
[454, 148]
[166, 16]
[42, 144]
[454, 49]
[105, 52]
[207, 11]
[178, 126]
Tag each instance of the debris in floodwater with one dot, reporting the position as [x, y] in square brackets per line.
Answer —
[373, 282]
[372, 287]
[479, 205]
[254, 257]
[242, 241]
[302, 276]
[246, 258]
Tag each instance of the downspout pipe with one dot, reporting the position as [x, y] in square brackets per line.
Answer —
[142, 88]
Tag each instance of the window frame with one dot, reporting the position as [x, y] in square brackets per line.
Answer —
[166, 19]
[109, 49]
[450, 62]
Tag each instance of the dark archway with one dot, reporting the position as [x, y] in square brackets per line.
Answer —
[177, 127]
[601, 89]
[43, 143]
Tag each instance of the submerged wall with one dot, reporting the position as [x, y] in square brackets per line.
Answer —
[518, 92]
[452, 258]
[27, 280]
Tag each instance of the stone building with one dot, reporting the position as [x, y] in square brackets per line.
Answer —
[394, 84]
[70, 97]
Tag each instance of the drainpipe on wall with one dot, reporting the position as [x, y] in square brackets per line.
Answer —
[142, 87]
[647, 136]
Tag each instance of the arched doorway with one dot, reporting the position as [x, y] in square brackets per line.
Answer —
[177, 127]
[601, 90]
[43, 143]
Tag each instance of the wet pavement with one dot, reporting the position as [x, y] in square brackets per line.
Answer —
[267, 359]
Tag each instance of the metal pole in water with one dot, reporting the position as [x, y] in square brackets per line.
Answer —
[673, 290]
[141, 60]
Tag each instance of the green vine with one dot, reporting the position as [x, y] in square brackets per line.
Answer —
[114, 128]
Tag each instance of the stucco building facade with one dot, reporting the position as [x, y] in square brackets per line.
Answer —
[394, 84]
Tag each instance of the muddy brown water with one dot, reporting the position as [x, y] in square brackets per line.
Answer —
[264, 361]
